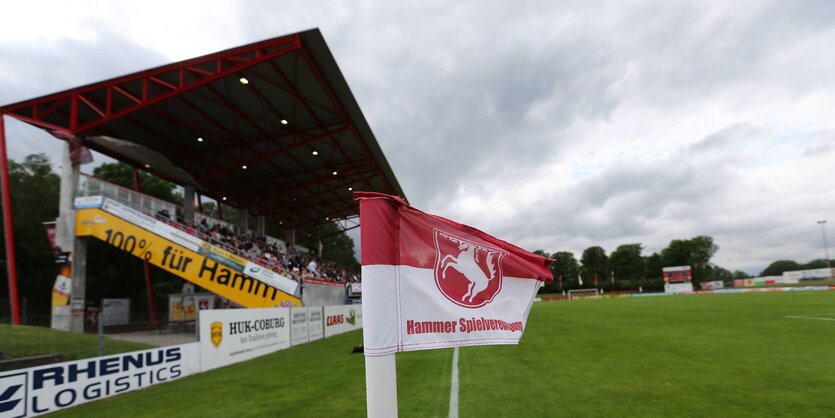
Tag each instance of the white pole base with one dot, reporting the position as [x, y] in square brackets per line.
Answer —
[381, 386]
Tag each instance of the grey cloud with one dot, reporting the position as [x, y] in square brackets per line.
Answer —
[55, 66]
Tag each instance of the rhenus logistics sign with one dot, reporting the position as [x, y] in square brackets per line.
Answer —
[40, 390]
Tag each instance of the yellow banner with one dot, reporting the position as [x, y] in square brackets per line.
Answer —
[192, 266]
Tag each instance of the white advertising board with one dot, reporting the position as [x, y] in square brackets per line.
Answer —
[298, 326]
[798, 275]
[712, 285]
[678, 287]
[115, 312]
[231, 335]
[44, 389]
[315, 323]
[149, 223]
[84, 202]
[278, 281]
[342, 318]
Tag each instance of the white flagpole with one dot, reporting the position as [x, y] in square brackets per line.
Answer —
[381, 386]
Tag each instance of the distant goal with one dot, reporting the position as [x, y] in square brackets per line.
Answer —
[583, 294]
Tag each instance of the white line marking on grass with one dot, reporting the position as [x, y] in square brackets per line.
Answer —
[819, 318]
[453, 386]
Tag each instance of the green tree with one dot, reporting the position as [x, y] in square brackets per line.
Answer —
[122, 174]
[739, 274]
[778, 267]
[720, 273]
[695, 252]
[34, 193]
[655, 266]
[819, 263]
[594, 261]
[627, 263]
[567, 268]
[654, 279]
[337, 246]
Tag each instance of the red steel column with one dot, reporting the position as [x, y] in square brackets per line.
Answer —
[7, 226]
[148, 283]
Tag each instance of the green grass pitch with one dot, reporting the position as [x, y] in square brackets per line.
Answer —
[700, 355]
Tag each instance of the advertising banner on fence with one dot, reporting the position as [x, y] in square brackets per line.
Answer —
[44, 389]
[115, 311]
[712, 285]
[298, 326]
[286, 285]
[678, 288]
[315, 323]
[343, 318]
[231, 335]
[809, 274]
[159, 228]
[63, 279]
[179, 260]
[222, 256]
[83, 202]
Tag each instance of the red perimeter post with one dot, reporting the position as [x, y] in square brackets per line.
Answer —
[7, 226]
[145, 263]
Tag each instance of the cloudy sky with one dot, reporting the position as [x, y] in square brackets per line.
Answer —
[555, 125]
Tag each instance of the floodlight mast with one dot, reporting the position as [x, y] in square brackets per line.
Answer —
[822, 223]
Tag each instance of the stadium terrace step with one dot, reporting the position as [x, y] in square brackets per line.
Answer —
[185, 255]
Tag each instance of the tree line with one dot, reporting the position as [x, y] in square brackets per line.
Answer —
[627, 268]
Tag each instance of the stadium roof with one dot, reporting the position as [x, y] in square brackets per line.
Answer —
[271, 126]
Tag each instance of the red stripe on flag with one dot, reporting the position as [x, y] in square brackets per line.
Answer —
[394, 233]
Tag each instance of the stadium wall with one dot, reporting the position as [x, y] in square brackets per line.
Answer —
[320, 293]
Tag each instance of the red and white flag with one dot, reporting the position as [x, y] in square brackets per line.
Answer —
[429, 282]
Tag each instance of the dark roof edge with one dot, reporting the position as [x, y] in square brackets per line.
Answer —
[314, 43]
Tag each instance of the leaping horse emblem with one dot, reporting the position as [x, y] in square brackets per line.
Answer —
[477, 264]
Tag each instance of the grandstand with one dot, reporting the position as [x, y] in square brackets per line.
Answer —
[270, 128]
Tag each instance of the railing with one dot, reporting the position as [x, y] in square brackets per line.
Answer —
[151, 206]
[92, 186]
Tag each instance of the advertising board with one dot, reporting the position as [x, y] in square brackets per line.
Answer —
[298, 326]
[45, 389]
[677, 274]
[177, 259]
[281, 282]
[342, 318]
[315, 323]
[82, 202]
[712, 285]
[228, 336]
[678, 287]
[115, 311]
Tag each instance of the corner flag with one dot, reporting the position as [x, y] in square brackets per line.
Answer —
[429, 282]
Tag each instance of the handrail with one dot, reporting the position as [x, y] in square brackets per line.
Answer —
[152, 206]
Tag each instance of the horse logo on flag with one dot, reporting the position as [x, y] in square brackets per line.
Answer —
[467, 273]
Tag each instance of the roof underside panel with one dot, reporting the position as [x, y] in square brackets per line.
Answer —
[270, 126]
